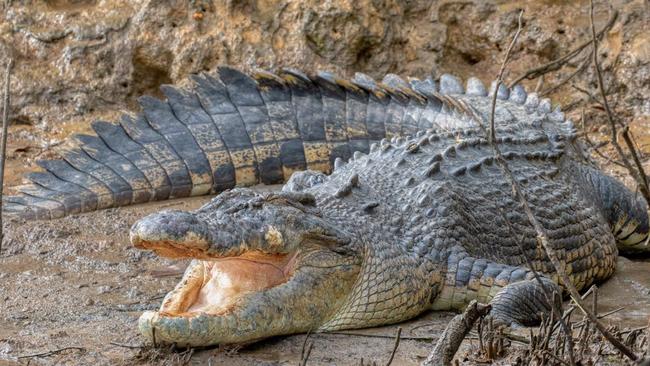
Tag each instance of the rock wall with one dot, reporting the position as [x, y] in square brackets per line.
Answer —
[80, 60]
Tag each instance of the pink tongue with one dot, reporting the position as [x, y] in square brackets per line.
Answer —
[229, 279]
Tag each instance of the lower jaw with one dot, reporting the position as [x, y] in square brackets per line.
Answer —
[204, 330]
[214, 286]
[199, 330]
[256, 314]
[200, 311]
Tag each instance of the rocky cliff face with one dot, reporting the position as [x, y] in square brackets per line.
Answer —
[80, 60]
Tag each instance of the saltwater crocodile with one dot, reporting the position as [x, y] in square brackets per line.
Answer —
[426, 222]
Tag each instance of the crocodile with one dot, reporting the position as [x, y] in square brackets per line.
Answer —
[415, 215]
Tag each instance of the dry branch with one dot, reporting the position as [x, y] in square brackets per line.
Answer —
[123, 345]
[594, 147]
[581, 68]
[591, 97]
[542, 236]
[306, 353]
[544, 240]
[3, 146]
[448, 343]
[492, 141]
[354, 334]
[51, 353]
[395, 345]
[306, 350]
[499, 79]
[556, 305]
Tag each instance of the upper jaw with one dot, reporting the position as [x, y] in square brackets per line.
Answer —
[182, 234]
[212, 233]
[172, 234]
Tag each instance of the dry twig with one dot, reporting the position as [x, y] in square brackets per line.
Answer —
[3, 146]
[591, 97]
[555, 305]
[153, 337]
[578, 70]
[448, 343]
[306, 350]
[594, 147]
[395, 345]
[638, 173]
[492, 140]
[117, 344]
[51, 353]
[541, 232]
[558, 63]
[354, 334]
[544, 240]
[499, 79]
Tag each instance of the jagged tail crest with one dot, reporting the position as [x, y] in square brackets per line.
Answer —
[231, 129]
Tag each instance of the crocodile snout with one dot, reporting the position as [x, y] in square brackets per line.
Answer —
[172, 234]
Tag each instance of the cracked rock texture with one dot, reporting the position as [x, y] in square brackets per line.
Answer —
[80, 60]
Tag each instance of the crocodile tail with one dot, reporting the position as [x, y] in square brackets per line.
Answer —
[626, 211]
[229, 129]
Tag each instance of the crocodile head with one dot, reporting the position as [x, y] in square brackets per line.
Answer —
[263, 265]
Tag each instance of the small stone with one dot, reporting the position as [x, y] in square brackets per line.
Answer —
[103, 289]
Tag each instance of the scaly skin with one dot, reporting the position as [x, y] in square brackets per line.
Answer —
[416, 224]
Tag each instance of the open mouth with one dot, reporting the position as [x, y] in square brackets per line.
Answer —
[215, 286]
[217, 279]
[256, 271]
